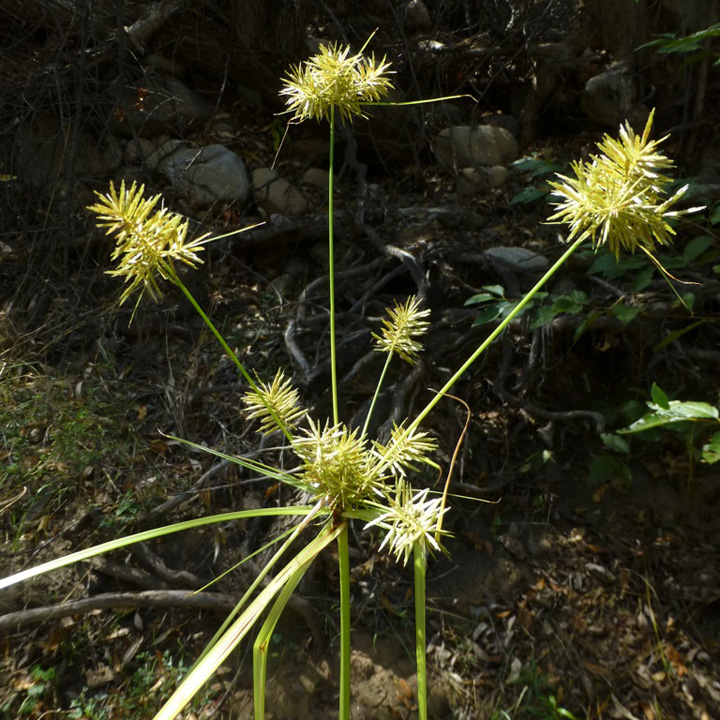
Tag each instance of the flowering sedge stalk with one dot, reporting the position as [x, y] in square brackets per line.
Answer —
[333, 81]
[398, 337]
[621, 188]
[419, 568]
[148, 243]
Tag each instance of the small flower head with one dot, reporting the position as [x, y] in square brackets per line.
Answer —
[403, 324]
[337, 464]
[404, 451]
[149, 241]
[333, 78]
[410, 519]
[616, 198]
[277, 402]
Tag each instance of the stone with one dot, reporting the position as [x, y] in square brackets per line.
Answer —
[150, 153]
[206, 176]
[417, 16]
[473, 180]
[517, 260]
[317, 177]
[463, 146]
[503, 121]
[274, 194]
[607, 98]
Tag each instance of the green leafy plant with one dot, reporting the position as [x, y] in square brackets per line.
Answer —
[615, 200]
[536, 170]
[695, 421]
[694, 46]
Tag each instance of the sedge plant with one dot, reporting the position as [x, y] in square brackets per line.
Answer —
[615, 199]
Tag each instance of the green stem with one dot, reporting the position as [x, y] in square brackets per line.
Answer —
[344, 573]
[260, 647]
[419, 554]
[331, 271]
[481, 349]
[228, 350]
[377, 393]
[259, 579]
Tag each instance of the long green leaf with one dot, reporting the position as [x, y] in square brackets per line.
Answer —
[202, 672]
[147, 535]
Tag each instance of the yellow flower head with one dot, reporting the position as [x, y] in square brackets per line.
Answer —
[335, 79]
[149, 241]
[273, 403]
[616, 199]
[410, 518]
[403, 324]
[336, 463]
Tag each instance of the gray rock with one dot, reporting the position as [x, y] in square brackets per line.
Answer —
[317, 177]
[517, 260]
[162, 152]
[206, 176]
[463, 146]
[274, 194]
[607, 98]
[473, 180]
[417, 16]
[151, 152]
[503, 121]
[156, 104]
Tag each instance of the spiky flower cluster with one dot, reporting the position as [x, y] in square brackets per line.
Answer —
[403, 324]
[275, 403]
[337, 466]
[411, 518]
[342, 467]
[617, 198]
[333, 78]
[149, 241]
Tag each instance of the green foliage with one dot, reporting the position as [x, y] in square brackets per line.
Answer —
[695, 46]
[694, 421]
[545, 307]
[534, 168]
[40, 683]
[144, 690]
[54, 439]
[538, 698]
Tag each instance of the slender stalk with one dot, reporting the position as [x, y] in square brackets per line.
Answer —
[377, 393]
[419, 557]
[344, 573]
[235, 633]
[260, 647]
[331, 271]
[147, 535]
[267, 567]
[490, 338]
[228, 350]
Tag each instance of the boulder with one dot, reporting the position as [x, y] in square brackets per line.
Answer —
[206, 176]
[608, 97]
[473, 180]
[463, 146]
[417, 17]
[274, 194]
